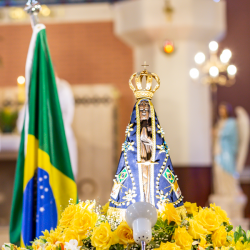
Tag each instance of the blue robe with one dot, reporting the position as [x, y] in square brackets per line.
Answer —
[228, 139]
[128, 187]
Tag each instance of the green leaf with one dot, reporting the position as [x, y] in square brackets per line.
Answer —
[240, 230]
[172, 223]
[229, 228]
[248, 234]
[245, 237]
[236, 236]
[210, 247]
[229, 238]
[43, 240]
[209, 238]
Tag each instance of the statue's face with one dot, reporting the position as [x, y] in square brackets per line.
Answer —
[144, 110]
[223, 111]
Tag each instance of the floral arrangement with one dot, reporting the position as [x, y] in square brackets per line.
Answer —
[87, 226]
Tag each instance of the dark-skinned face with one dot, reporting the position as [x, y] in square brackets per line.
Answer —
[144, 110]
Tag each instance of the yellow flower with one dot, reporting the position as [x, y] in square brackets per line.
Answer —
[71, 234]
[182, 238]
[60, 244]
[227, 248]
[208, 219]
[53, 236]
[45, 235]
[37, 246]
[168, 246]
[191, 208]
[84, 220]
[102, 237]
[203, 242]
[105, 208]
[196, 230]
[90, 205]
[221, 213]
[219, 237]
[169, 213]
[50, 247]
[68, 215]
[239, 245]
[124, 233]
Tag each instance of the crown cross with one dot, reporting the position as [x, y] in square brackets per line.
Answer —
[148, 92]
[145, 65]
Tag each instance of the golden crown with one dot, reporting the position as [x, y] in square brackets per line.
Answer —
[148, 92]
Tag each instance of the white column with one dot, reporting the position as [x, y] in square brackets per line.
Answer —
[182, 105]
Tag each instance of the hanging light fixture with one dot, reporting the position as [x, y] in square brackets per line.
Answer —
[214, 71]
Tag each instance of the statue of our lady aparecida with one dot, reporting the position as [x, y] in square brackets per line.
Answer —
[145, 171]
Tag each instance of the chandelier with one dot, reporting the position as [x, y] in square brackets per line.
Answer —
[216, 70]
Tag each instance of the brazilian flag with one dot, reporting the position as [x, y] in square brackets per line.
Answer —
[44, 181]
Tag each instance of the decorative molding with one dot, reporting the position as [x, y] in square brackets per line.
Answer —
[93, 100]
[67, 13]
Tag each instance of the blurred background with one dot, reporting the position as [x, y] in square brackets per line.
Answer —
[95, 47]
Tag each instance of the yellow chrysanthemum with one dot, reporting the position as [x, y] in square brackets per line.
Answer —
[239, 245]
[169, 213]
[227, 248]
[183, 238]
[191, 208]
[53, 236]
[219, 237]
[45, 235]
[208, 219]
[102, 237]
[124, 233]
[50, 246]
[220, 212]
[37, 246]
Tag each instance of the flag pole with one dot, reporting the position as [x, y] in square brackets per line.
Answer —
[33, 7]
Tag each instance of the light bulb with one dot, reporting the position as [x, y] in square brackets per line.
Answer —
[225, 56]
[194, 73]
[213, 46]
[214, 71]
[231, 70]
[227, 53]
[20, 80]
[199, 58]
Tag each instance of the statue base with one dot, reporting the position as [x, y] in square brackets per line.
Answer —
[234, 206]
